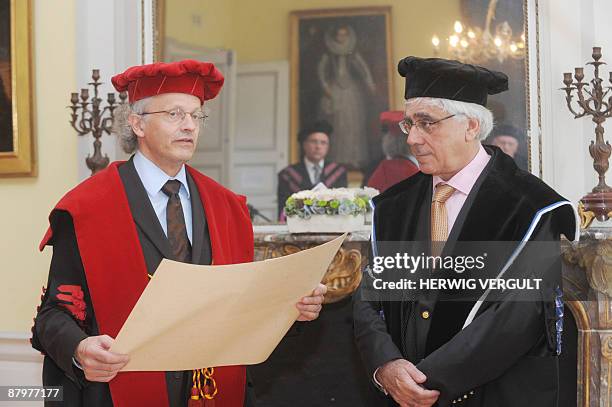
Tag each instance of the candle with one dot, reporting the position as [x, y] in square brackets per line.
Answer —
[458, 27]
[435, 41]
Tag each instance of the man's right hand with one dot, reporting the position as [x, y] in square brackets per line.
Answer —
[402, 380]
[98, 363]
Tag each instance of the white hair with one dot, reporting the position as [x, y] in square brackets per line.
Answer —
[462, 110]
[122, 128]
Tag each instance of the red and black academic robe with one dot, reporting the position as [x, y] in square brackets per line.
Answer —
[507, 355]
[106, 238]
[295, 178]
[390, 172]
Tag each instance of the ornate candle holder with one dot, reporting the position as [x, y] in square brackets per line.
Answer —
[90, 117]
[592, 102]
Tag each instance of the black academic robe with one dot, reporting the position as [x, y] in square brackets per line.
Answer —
[66, 315]
[295, 178]
[507, 356]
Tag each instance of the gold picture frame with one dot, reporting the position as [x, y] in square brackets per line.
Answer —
[19, 158]
[341, 16]
[159, 30]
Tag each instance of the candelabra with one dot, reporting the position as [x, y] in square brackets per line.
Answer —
[90, 117]
[592, 102]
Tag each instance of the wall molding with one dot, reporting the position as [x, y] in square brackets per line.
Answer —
[20, 365]
[15, 346]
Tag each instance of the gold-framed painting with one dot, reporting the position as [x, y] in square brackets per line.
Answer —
[342, 72]
[159, 29]
[16, 139]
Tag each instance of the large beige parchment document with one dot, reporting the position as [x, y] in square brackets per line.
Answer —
[191, 316]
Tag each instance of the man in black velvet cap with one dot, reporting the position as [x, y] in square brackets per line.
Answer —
[439, 347]
[313, 168]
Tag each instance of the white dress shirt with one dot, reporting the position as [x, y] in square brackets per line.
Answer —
[310, 167]
[153, 178]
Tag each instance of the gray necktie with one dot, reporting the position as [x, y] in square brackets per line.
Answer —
[317, 173]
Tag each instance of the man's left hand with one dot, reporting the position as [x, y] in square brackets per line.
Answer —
[311, 306]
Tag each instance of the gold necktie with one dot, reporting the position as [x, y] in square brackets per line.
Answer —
[439, 217]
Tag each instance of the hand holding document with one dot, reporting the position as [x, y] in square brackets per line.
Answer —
[191, 316]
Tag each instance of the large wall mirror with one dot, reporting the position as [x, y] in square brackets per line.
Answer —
[289, 63]
[292, 62]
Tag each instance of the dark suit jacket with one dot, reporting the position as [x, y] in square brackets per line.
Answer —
[507, 355]
[58, 328]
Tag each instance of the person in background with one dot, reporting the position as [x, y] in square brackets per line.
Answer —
[511, 140]
[398, 163]
[507, 138]
[313, 168]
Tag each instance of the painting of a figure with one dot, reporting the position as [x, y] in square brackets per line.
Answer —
[6, 125]
[342, 77]
[347, 83]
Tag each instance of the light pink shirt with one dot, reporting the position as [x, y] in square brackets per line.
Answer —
[463, 181]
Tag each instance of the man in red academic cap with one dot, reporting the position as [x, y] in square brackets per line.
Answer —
[398, 163]
[110, 233]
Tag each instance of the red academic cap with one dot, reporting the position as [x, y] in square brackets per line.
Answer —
[389, 121]
[200, 79]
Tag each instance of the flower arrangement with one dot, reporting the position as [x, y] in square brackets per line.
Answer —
[336, 201]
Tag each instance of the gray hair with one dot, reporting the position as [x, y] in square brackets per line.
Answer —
[122, 127]
[461, 109]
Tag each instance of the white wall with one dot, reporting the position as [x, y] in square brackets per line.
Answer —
[109, 37]
[20, 365]
[568, 31]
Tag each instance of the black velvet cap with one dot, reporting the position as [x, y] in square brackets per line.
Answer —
[507, 130]
[448, 79]
[320, 126]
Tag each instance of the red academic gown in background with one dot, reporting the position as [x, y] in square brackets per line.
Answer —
[390, 172]
[116, 272]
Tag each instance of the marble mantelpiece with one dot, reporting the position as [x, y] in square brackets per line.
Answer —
[344, 274]
[587, 279]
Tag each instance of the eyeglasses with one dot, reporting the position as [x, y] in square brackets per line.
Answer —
[424, 126]
[178, 115]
